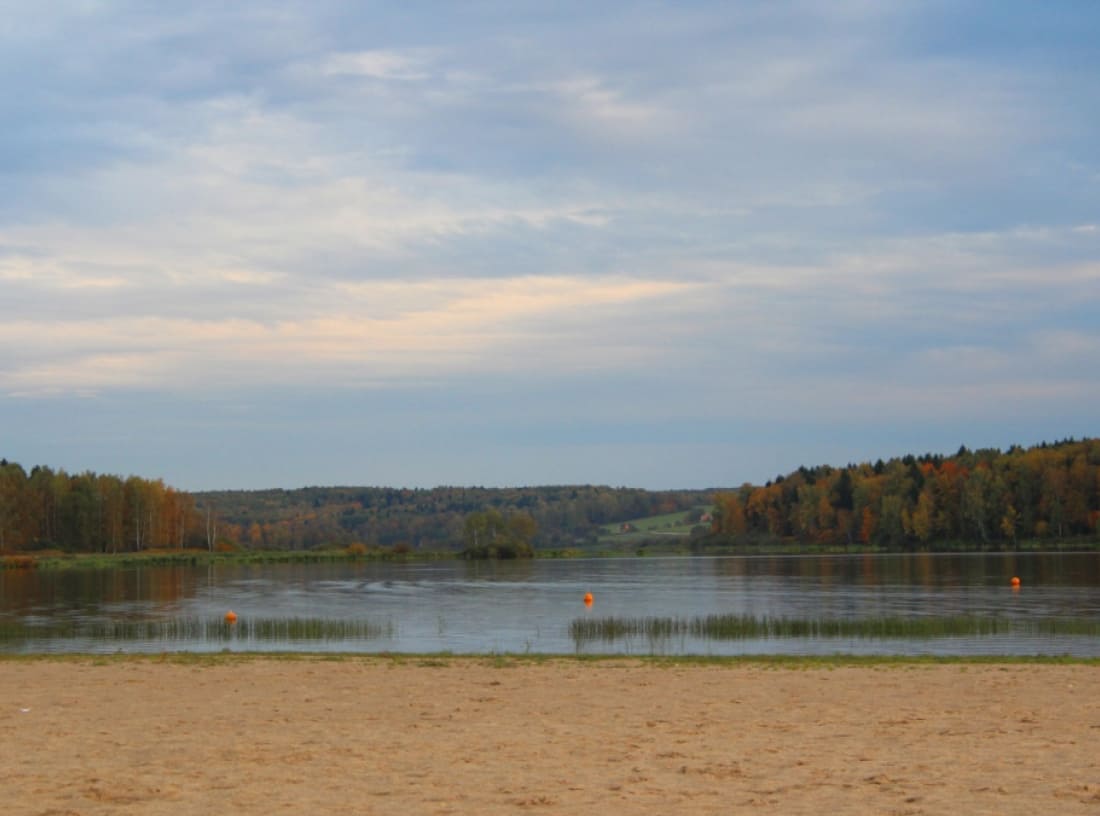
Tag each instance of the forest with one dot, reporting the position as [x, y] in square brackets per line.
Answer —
[971, 500]
[89, 512]
[433, 519]
[1044, 495]
[47, 509]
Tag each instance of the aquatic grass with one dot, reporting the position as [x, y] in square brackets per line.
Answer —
[746, 627]
[205, 630]
[732, 627]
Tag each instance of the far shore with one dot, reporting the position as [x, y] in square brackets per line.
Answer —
[56, 559]
[256, 734]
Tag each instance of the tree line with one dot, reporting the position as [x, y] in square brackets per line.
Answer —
[47, 509]
[1047, 493]
[987, 497]
[89, 512]
[430, 519]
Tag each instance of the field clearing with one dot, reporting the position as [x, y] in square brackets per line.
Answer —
[673, 525]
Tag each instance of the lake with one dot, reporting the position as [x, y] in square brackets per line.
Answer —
[946, 604]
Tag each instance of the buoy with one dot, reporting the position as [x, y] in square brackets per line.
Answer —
[1015, 581]
[230, 617]
[588, 599]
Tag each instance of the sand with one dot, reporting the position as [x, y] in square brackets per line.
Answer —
[419, 736]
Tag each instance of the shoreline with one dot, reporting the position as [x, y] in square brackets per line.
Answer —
[516, 659]
[440, 734]
[52, 560]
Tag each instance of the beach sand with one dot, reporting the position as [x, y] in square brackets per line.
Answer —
[461, 735]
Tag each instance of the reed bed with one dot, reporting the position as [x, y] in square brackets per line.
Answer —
[746, 627]
[175, 630]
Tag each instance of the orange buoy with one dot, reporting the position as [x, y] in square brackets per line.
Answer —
[1015, 581]
[230, 617]
[588, 599]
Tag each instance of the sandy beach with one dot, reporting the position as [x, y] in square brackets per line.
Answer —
[436, 736]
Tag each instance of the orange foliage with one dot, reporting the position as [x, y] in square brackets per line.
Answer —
[867, 527]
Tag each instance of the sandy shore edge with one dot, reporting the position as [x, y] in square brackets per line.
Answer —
[443, 734]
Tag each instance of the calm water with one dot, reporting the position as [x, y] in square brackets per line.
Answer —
[522, 607]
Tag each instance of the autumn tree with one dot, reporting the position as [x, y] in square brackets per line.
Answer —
[982, 496]
[489, 534]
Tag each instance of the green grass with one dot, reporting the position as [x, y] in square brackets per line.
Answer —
[671, 524]
[744, 627]
[448, 660]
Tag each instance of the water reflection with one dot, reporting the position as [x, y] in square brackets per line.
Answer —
[523, 606]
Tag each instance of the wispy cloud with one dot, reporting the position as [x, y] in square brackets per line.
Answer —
[382, 64]
[356, 335]
[848, 211]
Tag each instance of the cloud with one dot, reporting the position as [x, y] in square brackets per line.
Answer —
[386, 65]
[358, 335]
[785, 210]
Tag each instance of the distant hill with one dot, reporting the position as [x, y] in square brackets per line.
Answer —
[428, 519]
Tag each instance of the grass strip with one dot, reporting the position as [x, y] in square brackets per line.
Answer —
[437, 660]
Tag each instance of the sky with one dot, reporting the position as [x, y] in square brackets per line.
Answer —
[662, 245]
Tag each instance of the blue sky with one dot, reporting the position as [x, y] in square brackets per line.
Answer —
[651, 244]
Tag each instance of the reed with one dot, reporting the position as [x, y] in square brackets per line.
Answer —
[207, 630]
[745, 627]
